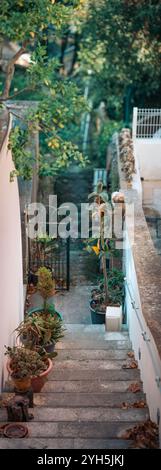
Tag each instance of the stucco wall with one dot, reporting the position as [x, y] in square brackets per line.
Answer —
[11, 285]
[149, 156]
[145, 351]
[142, 266]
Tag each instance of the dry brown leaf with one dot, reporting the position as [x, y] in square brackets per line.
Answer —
[130, 365]
[134, 387]
[140, 404]
[125, 406]
[131, 354]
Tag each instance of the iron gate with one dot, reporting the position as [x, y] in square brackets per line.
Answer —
[53, 254]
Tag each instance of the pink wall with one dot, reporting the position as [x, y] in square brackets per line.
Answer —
[11, 283]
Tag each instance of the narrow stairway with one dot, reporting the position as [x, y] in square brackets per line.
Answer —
[86, 403]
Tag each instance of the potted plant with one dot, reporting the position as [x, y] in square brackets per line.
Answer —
[46, 288]
[42, 331]
[115, 295]
[26, 365]
[103, 296]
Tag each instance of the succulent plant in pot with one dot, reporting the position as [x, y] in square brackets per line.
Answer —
[115, 291]
[25, 364]
[42, 331]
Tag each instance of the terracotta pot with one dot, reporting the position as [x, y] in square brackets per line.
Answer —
[38, 382]
[15, 430]
[22, 384]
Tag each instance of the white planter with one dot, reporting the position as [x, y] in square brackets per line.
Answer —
[113, 318]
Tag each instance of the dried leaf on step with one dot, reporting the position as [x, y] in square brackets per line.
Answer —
[130, 365]
[139, 404]
[127, 434]
[131, 354]
[134, 387]
[125, 406]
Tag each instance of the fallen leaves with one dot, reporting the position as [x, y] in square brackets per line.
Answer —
[131, 354]
[145, 435]
[137, 404]
[130, 365]
[134, 387]
[140, 404]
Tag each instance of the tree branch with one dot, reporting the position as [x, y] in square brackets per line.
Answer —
[17, 93]
[11, 69]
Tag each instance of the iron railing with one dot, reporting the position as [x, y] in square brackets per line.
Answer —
[147, 123]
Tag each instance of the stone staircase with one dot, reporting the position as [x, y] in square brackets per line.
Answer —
[81, 405]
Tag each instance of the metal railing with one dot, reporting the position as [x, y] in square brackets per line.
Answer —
[147, 123]
[145, 336]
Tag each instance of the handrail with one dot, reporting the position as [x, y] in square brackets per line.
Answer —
[145, 336]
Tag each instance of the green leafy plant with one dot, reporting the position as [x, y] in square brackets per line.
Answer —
[25, 362]
[115, 289]
[53, 102]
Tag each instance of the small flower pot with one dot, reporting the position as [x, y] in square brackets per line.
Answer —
[15, 430]
[38, 382]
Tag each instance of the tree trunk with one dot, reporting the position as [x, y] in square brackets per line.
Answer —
[10, 71]
[104, 261]
[105, 277]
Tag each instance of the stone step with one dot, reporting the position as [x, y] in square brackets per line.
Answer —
[46, 414]
[91, 375]
[93, 414]
[60, 443]
[98, 355]
[94, 344]
[88, 364]
[77, 328]
[94, 429]
[72, 399]
[93, 334]
[86, 386]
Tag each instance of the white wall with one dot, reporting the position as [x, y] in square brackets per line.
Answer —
[148, 156]
[150, 365]
[148, 152]
[11, 284]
